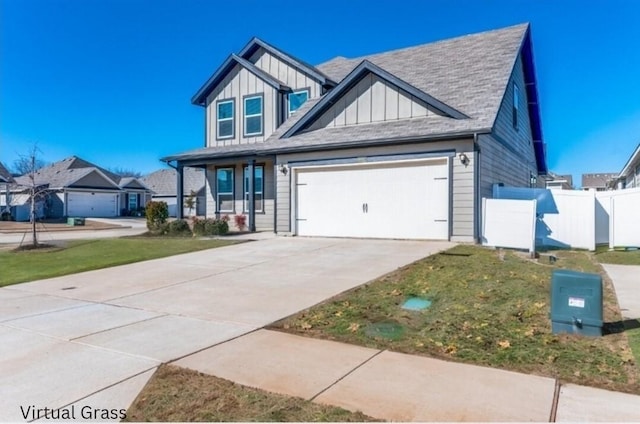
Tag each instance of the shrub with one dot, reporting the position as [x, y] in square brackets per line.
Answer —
[157, 214]
[179, 227]
[210, 227]
[241, 221]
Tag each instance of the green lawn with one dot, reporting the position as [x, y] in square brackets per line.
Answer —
[489, 307]
[177, 394]
[85, 255]
[620, 257]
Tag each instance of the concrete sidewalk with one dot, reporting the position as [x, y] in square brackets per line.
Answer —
[400, 387]
[94, 338]
[626, 281]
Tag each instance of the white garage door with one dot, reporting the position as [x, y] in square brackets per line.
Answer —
[401, 200]
[92, 204]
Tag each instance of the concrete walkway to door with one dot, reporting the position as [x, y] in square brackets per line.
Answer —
[94, 338]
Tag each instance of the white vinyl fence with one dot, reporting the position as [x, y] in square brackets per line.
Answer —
[624, 219]
[509, 223]
[569, 218]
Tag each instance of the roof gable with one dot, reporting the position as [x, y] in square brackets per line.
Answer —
[232, 61]
[5, 175]
[634, 159]
[256, 43]
[163, 182]
[86, 178]
[66, 172]
[132, 182]
[350, 81]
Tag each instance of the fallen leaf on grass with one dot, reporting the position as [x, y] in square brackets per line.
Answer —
[539, 305]
[530, 332]
[305, 326]
[505, 344]
[338, 314]
[354, 327]
[395, 292]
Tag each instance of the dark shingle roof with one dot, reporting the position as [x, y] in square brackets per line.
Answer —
[5, 175]
[164, 181]
[67, 171]
[600, 180]
[468, 73]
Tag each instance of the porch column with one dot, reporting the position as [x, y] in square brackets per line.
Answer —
[251, 201]
[179, 191]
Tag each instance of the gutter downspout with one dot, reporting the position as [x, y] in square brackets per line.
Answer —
[476, 200]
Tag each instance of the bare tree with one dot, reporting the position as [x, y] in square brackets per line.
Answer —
[36, 192]
[125, 172]
[23, 165]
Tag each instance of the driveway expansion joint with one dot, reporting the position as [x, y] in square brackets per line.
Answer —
[346, 375]
[554, 404]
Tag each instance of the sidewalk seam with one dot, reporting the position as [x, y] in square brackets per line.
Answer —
[345, 375]
[554, 403]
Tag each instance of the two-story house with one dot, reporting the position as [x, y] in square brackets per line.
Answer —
[401, 144]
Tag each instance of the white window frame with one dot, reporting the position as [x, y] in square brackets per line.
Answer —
[232, 193]
[219, 120]
[293, 93]
[247, 116]
[245, 189]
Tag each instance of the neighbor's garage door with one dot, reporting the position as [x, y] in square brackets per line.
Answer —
[401, 200]
[92, 204]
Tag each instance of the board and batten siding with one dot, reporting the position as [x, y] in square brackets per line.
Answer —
[292, 77]
[264, 220]
[236, 85]
[519, 140]
[371, 100]
[462, 181]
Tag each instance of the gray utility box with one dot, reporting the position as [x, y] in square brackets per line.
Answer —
[576, 303]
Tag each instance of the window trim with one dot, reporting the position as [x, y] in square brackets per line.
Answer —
[245, 193]
[298, 91]
[233, 190]
[245, 116]
[516, 105]
[232, 119]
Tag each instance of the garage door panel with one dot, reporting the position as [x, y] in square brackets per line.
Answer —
[392, 201]
[91, 204]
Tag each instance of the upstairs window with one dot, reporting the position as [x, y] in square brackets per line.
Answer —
[297, 99]
[253, 115]
[226, 109]
[224, 186]
[258, 172]
[516, 105]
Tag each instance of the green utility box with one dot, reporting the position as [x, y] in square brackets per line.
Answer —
[576, 303]
[75, 221]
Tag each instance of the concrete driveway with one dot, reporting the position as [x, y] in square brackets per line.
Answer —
[93, 339]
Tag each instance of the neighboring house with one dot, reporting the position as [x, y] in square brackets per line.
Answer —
[402, 144]
[164, 185]
[559, 182]
[75, 187]
[629, 177]
[599, 181]
[6, 180]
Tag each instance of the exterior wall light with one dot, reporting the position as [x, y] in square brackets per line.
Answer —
[283, 169]
[464, 159]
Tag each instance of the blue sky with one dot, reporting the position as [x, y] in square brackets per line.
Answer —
[111, 80]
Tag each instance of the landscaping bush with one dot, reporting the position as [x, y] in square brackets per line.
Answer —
[210, 227]
[179, 227]
[156, 214]
[241, 221]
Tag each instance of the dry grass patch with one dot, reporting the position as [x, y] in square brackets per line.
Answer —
[489, 307]
[177, 394]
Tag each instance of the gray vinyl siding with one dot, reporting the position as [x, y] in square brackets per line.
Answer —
[371, 100]
[462, 181]
[264, 220]
[93, 179]
[519, 140]
[236, 85]
[292, 77]
[283, 201]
